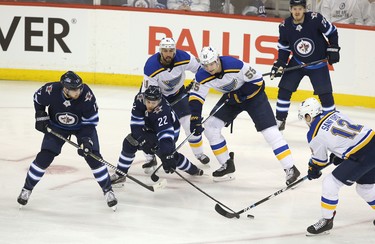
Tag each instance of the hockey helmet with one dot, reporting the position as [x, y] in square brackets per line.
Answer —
[208, 55]
[153, 93]
[71, 81]
[297, 2]
[310, 106]
[167, 42]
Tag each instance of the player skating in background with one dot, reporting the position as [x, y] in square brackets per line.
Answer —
[352, 148]
[154, 130]
[72, 110]
[304, 35]
[166, 69]
[243, 87]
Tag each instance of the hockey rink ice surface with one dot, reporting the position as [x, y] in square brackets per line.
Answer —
[67, 206]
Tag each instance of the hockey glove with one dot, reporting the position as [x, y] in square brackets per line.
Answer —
[196, 125]
[169, 162]
[277, 69]
[85, 147]
[189, 86]
[334, 159]
[41, 121]
[314, 171]
[333, 54]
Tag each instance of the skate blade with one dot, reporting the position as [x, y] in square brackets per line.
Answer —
[320, 234]
[227, 177]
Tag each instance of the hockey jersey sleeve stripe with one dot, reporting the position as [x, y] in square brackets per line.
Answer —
[181, 63]
[157, 72]
[195, 97]
[362, 143]
[207, 79]
[231, 71]
[319, 162]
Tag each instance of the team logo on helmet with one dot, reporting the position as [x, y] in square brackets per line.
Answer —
[304, 47]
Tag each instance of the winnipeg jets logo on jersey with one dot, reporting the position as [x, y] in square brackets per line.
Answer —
[229, 87]
[172, 83]
[88, 96]
[48, 89]
[66, 119]
[304, 47]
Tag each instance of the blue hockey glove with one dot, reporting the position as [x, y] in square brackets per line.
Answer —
[41, 121]
[169, 162]
[314, 171]
[277, 69]
[334, 159]
[196, 125]
[333, 54]
[85, 146]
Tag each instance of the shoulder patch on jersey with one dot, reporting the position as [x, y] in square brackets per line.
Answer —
[88, 96]
[158, 109]
[140, 97]
[49, 89]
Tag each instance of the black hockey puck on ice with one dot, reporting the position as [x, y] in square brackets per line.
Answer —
[252, 216]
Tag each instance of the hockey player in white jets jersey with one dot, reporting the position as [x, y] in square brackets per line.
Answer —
[352, 148]
[243, 89]
[166, 69]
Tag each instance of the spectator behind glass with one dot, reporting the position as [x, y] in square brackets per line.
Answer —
[189, 5]
[250, 8]
[342, 11]
[218, 6]
[365, 10]
[372, 12]
[162, 4]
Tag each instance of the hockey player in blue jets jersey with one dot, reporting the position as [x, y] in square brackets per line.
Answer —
[154, 130]
[243, 89]
[304, 34]
[166, 69]
[352, 148]
[71, 110]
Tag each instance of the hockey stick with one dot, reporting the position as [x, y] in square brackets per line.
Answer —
[151, 188]
[154, 177]
[225, 213]
[234, 214]
[299, 66]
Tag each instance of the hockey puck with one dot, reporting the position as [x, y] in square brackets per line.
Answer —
[374, 222]
[252, 216]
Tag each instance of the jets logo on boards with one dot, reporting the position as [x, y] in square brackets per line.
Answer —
[304, 47]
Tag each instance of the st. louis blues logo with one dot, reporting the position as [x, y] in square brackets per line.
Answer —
[304, 47]
[229, 87]
[171, 84]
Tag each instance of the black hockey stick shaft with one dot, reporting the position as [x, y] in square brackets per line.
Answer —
[227, 214]
[299, 66]
[196, 187]
[151, 188]
[154, 177]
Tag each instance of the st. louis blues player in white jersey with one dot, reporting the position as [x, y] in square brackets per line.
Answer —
[352, 148]
[154, 129]
[304, 34]
[72, 110]
[243, 86]
[166, 69]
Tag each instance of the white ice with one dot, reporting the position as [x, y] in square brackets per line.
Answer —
[67, 205]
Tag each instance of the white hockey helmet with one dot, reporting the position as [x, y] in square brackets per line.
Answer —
[310, 106]
[208, 55]
[167, 42]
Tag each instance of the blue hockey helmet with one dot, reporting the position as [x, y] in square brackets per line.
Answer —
[71, 81]
[297, 2]
[153, 93]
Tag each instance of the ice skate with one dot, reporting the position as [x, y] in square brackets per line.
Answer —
[281, 124]
[150, 165]
[321, 227]
[291, 175]
[117, 180]
[225, 172]
[24, 196]
[203, 158]
[111, 199]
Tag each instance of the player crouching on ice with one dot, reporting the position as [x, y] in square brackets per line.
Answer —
[154, 129]
[352, 148]
[72, 110]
